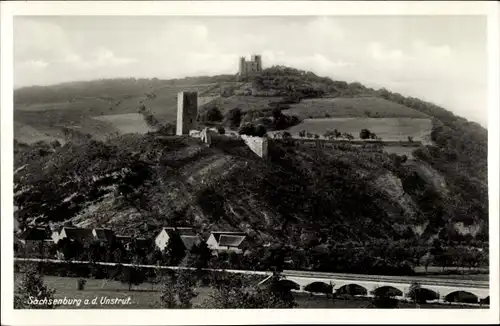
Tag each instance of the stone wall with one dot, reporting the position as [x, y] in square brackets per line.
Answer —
[258, 145]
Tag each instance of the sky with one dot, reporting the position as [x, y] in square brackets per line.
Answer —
[442, 59]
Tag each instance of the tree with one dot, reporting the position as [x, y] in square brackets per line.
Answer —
[277, 113]
[302, 133]
[213, 114]
[221, 130]
[168, 296]
[348, 136]
[230, 292]
[413, 292]
[185, 290]
[32, 287]
[177, 291]
[132, 275]
[234, 117]
[175, 250]
[364, 134]
[260, 131]
[247, 129]
[200, 255]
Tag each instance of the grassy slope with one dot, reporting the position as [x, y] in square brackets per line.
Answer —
[369, 106]
[46, 115]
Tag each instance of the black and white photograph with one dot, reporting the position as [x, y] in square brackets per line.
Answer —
[212, 161]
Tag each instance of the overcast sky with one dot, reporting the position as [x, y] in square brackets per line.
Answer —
[437, 58]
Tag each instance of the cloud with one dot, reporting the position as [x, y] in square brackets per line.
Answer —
[379, 52]
[408, 57]
[35, 64]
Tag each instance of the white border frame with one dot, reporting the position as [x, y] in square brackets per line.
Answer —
[243, 8]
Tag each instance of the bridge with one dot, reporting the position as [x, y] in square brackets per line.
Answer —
[438, 289]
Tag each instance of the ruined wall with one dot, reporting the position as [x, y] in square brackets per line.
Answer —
[187, 110]
[258, 145]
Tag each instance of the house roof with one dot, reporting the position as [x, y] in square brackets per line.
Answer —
[231, 240]
[80, 234]
[104, 234]
[142, 242]
[218, 234]
[123, 238]
[179, 230]
[34, 234]
[190, 240]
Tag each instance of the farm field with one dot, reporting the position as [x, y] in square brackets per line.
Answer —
[395, 129]
[245, 103]
[352, 107]
[127, 123]
[146, 295]
[27, 134]
[44, 121]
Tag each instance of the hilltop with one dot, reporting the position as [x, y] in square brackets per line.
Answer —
[300, 197]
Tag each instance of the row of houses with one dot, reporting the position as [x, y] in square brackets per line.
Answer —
[218, 240]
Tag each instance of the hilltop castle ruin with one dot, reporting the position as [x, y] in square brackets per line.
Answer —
[250, 67]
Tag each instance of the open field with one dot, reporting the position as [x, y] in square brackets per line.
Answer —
[146, 295]
[127, 123]
[397, 129]
[44, 121]
[245, 103]
[352, 107]
[27, 134]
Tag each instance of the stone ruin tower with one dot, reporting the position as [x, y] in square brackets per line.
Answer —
[187, 111]
[251, 67]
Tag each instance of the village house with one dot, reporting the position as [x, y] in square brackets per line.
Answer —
[33, 239]
[188, 236]
[125, 240]
[227, 241]
[83, 235]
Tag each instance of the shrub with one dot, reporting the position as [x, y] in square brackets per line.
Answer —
[81, 284]
[221, 130]
[32, 287]
[364, 134]
[233, 117]
[260, 131]
[213, 114]
[247, 129]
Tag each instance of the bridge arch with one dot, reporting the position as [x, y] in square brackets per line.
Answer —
[423, 295]
[319, 287]
[352, 289]
[461, 296]
[288, 284]
[387, 291]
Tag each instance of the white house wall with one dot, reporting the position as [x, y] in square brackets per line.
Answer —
[161, 240]
[212, 243]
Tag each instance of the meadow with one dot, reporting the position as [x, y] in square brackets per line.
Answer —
[354, 107]
[396, 129]
[101, 116]
[127, 123]
[147, 295]
[245, 103]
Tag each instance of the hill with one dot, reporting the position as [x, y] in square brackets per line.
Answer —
[301, 198]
